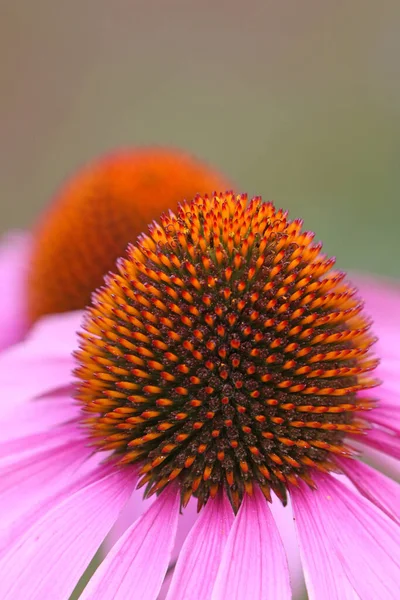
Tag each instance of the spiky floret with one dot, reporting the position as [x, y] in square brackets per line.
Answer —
[225, 353]
[94, 217]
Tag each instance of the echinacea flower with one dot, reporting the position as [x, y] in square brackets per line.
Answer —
[57, 266]
[224, 363]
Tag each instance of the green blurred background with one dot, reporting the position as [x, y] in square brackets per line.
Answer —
[297, 101]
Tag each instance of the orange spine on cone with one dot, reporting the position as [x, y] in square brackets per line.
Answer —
[98, 213]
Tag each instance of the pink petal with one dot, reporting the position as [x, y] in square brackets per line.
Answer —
[133, 509]
[45, 359]
[198, 562]
[136, 565]
[37, 417]
[56, 335]
[390, 360]
[89, 472]
[378, 460]
[283, 517]
[389, 392]
[382, 302]
[322, 568]
[14, 257]
[13, 449]
[40, 376]
[379, 489]
[382, 441]
[23, 482]
[186, 521]
[349, 548]
[253, 565]
[165, 586]
[50, 557]
[381, 297]
[385, 417]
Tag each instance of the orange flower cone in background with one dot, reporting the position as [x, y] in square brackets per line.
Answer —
[104, 208]
[87, 227]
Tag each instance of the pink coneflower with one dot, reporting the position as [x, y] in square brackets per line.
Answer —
[225, 364]
[56, 267]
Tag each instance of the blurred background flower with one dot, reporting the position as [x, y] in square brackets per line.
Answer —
[55, 266]
[298, 102]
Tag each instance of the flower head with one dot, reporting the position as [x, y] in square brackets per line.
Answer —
[87, 226]
[225, 360]
[94, 218]
[226, 353]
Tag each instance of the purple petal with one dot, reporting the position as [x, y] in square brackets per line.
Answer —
[349, 548]
[50, 557]
[198, 562]
[253, 565]
[137, 564]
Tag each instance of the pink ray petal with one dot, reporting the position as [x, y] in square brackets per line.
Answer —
[382, 441]
[198, 562]
[56, 335]
[89, 472]
[53, 338]
[37, 417]
[136, 565]
[379, 489]
[322, 568]
[386, 394]
[350, 549]
[15, 449]
[49, 558]
[283, 517]
[25, 481]
[186, 521]
[166, 583]
[253, 565]
[390, 362]
[385, 417]
[381, 297]
[40, 376]
[133, 509]
[378, 460]
[45, 359]
[14, 257]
